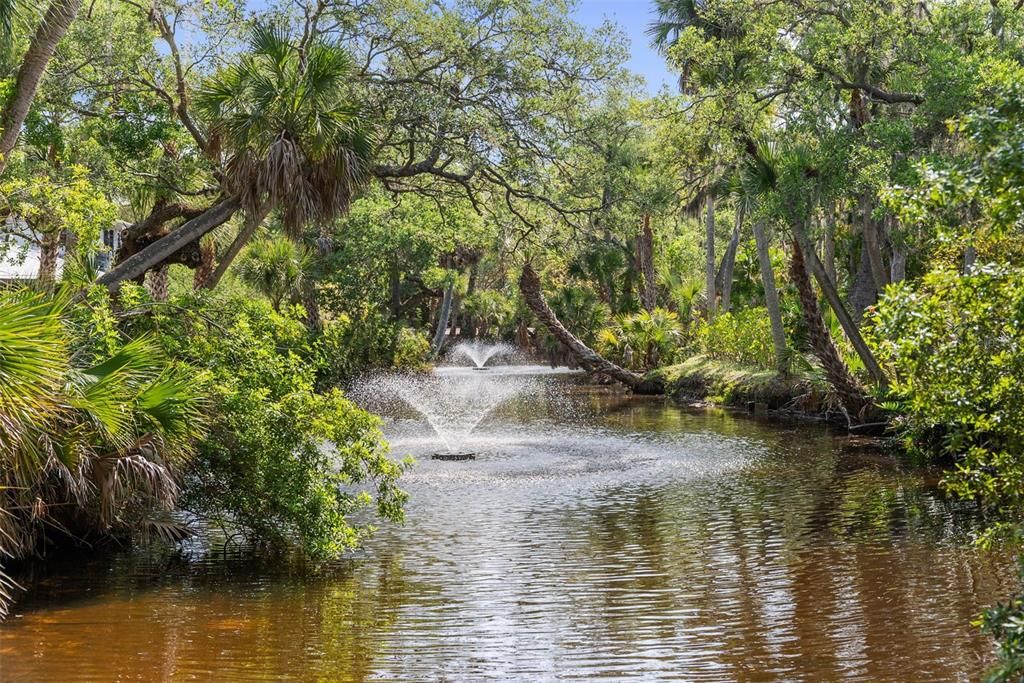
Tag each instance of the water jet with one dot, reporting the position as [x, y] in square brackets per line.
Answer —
[480, 352]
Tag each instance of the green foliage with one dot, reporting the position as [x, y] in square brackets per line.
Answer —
[287, 115]
[743, 337]
[490, 312]
[412, 350]
[275, 267]
[1005, 623]
[954, 346]
[644, 340]
[283, 464]
[88, 446]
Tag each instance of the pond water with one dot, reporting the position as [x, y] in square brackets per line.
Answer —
[596, 536]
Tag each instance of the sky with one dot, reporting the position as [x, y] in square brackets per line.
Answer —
[633, 18]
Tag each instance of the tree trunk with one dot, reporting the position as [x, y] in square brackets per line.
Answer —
[158, 283]
[395, 287]
[314, 321]
[442, 319]
[970, 256]
[829, 290]
[723, 281]
[873, 241]
[828, 251]
[862, 290]
[252, 224]
[645, 250]
[709, 262]
[771, 299]
[138, 263]
[849, 391]
[49, 248]
[590, 360]
[54, 25]
[898, 271]
[207, 257]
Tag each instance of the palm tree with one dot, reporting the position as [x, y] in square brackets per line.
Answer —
[275, 267]
[295, 140]
[80, 443]
[51, 29]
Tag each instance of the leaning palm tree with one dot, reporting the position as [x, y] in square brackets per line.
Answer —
[294, 139]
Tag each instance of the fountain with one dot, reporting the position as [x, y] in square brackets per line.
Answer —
[453, 403]
[480, 352]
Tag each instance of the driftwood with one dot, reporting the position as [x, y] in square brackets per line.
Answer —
[590, 360]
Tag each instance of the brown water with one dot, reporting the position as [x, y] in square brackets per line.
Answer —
[599, 537]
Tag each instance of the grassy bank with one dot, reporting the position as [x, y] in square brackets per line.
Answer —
[704, 379]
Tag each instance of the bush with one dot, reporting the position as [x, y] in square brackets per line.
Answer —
[412, 350]
[267, 468]
[955, 349]
[743, 337]
[643, 341]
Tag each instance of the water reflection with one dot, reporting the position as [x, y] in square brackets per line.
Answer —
[598, 537]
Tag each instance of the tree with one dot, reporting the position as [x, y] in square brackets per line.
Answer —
[51, 29]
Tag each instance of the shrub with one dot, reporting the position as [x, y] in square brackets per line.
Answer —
[644, 340]
[283, 464]
[743, 337]
[954, 347]
[412, 350]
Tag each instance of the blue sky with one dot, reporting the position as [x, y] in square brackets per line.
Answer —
[633, 17]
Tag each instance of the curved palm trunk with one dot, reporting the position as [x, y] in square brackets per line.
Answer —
[138, 263]
[849, 391]
[252, 224]
[771, 299]
[54, 25]
[590, 360]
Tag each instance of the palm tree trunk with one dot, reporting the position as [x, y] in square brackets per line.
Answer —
[723, 281]
[832, 295]
[314, 321]
[590, 360]
[138, 263]
[49, 248]
[395, 286]
[709, 262]
[158, 283]
[442, 319]
[849, 391]
[54, 25]
[645, 249]
[771, 299]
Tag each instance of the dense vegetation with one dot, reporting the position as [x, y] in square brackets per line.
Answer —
[326, 187]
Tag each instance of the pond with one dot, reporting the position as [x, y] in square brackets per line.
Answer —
[596, 536]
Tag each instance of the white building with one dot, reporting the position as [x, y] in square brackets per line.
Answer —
[19, 256]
